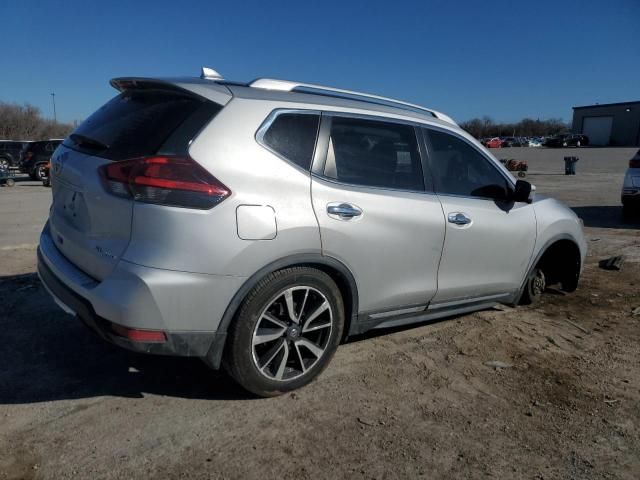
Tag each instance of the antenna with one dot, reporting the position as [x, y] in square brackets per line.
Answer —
[210, 74]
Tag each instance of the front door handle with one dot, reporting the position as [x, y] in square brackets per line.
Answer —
[458, 218]
[344, 211]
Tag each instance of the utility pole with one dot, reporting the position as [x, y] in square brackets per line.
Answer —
[53, 98]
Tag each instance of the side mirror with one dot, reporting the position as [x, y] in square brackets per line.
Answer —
[522, 192]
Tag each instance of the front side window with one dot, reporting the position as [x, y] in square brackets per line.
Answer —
[460, 169]
[374, 154]
[293, 135]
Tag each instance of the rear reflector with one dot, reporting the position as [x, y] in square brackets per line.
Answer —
[135, 335]
[174, 181]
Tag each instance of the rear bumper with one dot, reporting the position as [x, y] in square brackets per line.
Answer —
[187, 307]
[186, 344]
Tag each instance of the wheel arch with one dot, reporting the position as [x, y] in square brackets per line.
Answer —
[558, 253]
[339, 273]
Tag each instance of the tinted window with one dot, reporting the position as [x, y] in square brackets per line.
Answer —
[137, 123]
[38, 146]
[460, 169]
[374, 154]
[293, 135]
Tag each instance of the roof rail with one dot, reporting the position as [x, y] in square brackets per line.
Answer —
[289, 86]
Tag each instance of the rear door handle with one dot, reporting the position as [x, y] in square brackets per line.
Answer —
[344, 211]
[458, 218]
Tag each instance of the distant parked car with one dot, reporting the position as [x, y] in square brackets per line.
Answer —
[10, 152]
[567, 140]
[35, 157]
[513, 142]
[535, 142]
[631, 187]
[494, 142]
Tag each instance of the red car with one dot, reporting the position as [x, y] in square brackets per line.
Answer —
[494, 142]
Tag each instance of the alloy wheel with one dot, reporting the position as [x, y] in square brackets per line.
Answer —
[292, 333]
[538, 283]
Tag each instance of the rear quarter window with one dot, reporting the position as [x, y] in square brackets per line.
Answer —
[293, 136]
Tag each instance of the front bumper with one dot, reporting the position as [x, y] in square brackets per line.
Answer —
[630, 194]
[188, 344]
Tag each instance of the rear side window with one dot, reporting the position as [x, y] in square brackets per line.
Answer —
[374, 154]
[140, 123]
[293, 135]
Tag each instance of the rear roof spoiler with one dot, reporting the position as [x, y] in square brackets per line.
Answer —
[210, 90]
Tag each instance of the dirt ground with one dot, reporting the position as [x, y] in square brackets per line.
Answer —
[421, 402]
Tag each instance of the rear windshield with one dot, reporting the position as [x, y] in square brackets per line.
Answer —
[140, 123]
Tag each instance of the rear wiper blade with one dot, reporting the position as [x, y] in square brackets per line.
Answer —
[88, 142]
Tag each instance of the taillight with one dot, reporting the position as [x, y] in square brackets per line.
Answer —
[634, 163]
[174, 181]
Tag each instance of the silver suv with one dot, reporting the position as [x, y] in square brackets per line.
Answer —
[257, 226]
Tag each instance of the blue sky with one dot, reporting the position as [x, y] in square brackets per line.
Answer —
[505, 59]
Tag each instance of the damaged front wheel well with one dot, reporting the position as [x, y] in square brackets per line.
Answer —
[561, 264]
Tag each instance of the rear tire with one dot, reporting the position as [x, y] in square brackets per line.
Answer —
[285, 332]
[10, 182]
[534, 287]
[39, 172]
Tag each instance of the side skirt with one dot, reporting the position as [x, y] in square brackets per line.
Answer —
[409, 315]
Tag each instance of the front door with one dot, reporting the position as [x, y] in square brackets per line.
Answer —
[489, 240]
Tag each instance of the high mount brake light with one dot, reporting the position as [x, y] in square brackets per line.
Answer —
[163, 180]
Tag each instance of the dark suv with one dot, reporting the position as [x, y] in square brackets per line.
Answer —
[35, 157]
[567, 140]
[10, 152]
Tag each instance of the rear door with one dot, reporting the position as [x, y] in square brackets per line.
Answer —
[489, 239]
[376, 214]
[90, 226]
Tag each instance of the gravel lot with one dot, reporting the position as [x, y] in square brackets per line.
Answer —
[413, 402]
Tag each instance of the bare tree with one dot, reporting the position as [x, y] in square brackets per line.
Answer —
[24, 122]
[527, 127]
